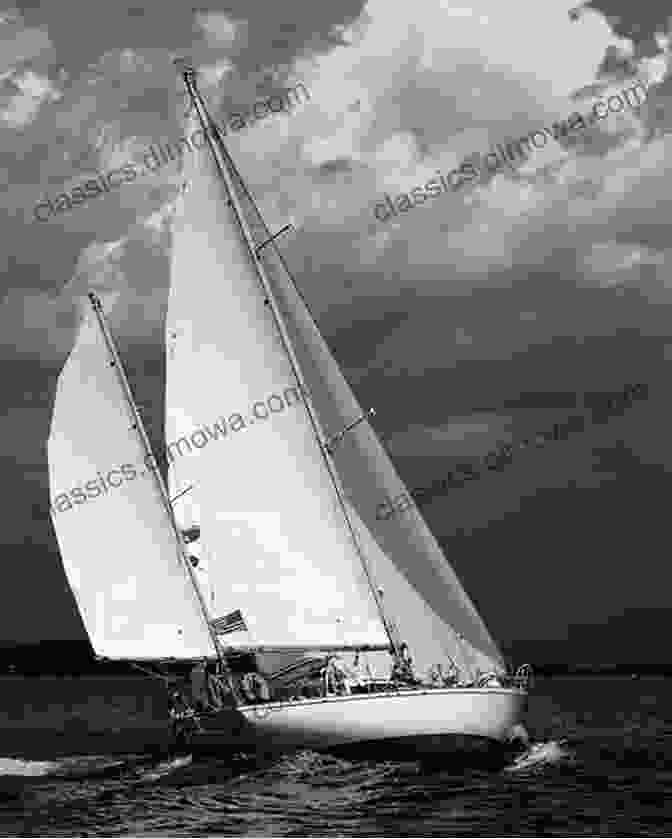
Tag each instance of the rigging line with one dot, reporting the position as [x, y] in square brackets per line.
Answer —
[165, 679]
[139, 428]
[222, 161]
[180, 494]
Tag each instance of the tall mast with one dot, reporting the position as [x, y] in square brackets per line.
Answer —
[139, 427]
[221, 158]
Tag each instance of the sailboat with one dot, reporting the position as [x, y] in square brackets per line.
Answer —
[276, 474]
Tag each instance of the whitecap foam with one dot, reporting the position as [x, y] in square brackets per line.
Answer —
[27, 768]
[166, 767]
[539, 755]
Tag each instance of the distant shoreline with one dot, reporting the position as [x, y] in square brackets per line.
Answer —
[129, 675]
[66, 659]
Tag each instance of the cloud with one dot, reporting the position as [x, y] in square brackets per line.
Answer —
[220, 30]
[20, 44]
[397, 101]
[405, 92]
[618, 262]
[33, 91]
[36, 324]
[467, 436]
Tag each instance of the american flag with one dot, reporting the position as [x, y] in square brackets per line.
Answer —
[233, 622]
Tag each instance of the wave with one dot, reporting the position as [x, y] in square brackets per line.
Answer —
[541, 755]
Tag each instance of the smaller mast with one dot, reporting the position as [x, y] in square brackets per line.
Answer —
[139, 427]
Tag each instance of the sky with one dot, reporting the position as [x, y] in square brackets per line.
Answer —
[479, 316]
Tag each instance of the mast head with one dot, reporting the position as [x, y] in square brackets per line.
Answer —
[185, 67]
[95, 300]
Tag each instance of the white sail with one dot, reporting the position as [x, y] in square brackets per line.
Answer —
[434, 613]
[117, 544]
[237, 429]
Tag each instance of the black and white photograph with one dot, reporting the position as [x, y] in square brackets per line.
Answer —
[335, 451]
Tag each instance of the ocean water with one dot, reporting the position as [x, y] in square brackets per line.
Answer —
[601, 766]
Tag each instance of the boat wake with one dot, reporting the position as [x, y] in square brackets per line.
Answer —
[10, 766]
[143, 768]
[81, 767]
[541, 755]
[165, 768]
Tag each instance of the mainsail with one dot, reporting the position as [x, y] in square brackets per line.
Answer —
[435, 615]
[220, 326]
[117, 544]
[239, 433]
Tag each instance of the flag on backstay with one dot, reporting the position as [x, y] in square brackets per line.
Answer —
[233, 622]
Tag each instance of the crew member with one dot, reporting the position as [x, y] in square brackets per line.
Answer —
[184, 723]
[452, 676]
[358, 675]
[340, 678]
[218, 691]
[255, 688]
[199, 687]
[402, 671]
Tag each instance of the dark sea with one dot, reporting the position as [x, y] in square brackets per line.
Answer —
[602, 767]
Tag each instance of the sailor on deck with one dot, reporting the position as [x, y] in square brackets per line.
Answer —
[402, 670]
[255, 687]
[209, 690]
[199, 691]
[358, 672]
[447, 679]
[340, 677]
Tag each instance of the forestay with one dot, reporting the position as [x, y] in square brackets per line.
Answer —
[117, 543]
[279, 546]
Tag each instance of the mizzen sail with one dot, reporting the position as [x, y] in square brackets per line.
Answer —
[118, 547]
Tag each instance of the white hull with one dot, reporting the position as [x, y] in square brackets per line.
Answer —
[411, 721]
